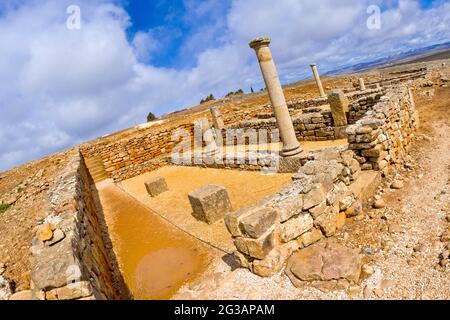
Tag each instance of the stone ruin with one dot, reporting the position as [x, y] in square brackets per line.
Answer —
[378, 119]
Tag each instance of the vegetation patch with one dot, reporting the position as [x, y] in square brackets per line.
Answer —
[4, 207]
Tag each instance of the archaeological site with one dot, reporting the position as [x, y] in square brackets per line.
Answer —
[333, 187]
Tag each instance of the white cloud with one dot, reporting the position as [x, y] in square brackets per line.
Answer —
[61, 87]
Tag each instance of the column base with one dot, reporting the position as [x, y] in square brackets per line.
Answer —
[290, 152]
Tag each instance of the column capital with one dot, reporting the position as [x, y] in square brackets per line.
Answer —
[312, 65]
[259, 42]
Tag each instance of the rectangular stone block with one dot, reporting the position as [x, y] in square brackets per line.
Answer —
[257, 248]
[295, 227]
[210, 203]
[156, 186]
[233, 219]
[258, 222]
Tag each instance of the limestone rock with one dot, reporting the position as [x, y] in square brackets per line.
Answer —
[258, 222]
[156, 186]
[210, 203]
[275, 260]
[397, 184]
[328, 222]
[379, 204]
[44, 232]
[22, 295]
[324, 262]
[314, 197]
[310, 237]
[58, 235]
[295, 227]
[257, 248]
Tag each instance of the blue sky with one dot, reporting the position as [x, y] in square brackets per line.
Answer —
[61, 87]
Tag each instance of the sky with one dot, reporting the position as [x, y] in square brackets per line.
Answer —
[62, 85]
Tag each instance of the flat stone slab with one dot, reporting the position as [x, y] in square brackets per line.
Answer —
[156, 186]
[210, 203]
[324, 262]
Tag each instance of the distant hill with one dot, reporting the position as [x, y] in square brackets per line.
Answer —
[429, 53]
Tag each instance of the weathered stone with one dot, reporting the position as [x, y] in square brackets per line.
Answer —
[58, 235]
[379, 203]
[355, 209]
[290, 207]
[23, 295]
[339, 106]
[327, 222]
[274, 260]
[318, 210]
[397, 184]
[210, 203]
[257, 248]
[326, 262]
[70, 292]
[243, 260]
[233, 219]
[295, 227]
[156, 186]
[310, 237]
[258, 222]
[44, 232]
[314, 197]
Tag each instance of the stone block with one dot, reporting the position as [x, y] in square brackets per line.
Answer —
[295, 227]
[258, 222]
[156, 186]
[274, 260]
[314, 197]
[258, 248]
[328, 221]
[210, 203]
[310, 237]
[233, 219]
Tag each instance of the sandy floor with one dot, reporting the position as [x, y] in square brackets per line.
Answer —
[155, 258]
[244, 188]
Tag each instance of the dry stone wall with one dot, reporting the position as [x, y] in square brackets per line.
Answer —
[69, 257]
[383, 134]
[312, 207]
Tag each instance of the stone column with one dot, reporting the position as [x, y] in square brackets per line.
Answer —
[207, 136]
[291, 146]
[339, 107]
[217, 119]
[362, 86]
[318, 81]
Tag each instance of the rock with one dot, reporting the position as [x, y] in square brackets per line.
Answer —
[379, 204]
[324, 262]
[395, 228]
[397, 184]
[378, 292]
[58, 235]
[5, 289]
[314, 197]
[367, 269]
[156, 186]
[447, 218]
[257, 248]
[258, 222]
[275, 260]
[22, 295]
[310, 237]
[328, 222]
[355, 209]
[210, 203]
[419, 248]
[44, 232]
[296, 226]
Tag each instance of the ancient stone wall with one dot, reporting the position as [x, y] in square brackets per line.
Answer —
[69, 258]
[141, 153]
[383, 134]
[313, 206]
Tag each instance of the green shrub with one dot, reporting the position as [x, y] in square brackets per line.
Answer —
[151, 117]
[208, 98]
[4, 207]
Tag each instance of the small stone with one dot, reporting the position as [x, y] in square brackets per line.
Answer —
[45, 232]
[367, 270]
[378, 292]
[378, 204]
[156, 186]
[395, 228]
[22, 295]
[397, 184]
[58, 235]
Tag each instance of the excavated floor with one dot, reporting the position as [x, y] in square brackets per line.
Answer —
[244, 188]
[154, 257]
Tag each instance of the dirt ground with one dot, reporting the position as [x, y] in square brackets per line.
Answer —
[244, 188]
[401, 242]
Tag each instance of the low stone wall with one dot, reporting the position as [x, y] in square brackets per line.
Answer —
[361, 102]
[69, 259]
[313, 206]
[383, 134]
[141, 153]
